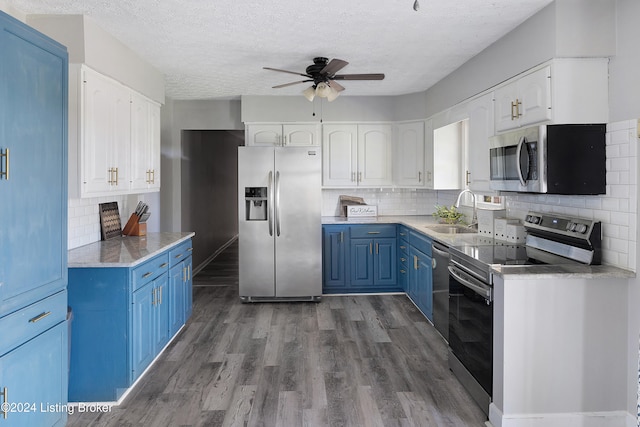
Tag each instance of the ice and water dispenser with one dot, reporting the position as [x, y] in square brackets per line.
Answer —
[255, 203]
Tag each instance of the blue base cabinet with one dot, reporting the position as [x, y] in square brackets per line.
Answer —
[420, 288]
[33, 227]
[360, 258]
[123, 318]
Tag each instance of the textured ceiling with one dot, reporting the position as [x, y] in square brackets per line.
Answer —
[211, 49]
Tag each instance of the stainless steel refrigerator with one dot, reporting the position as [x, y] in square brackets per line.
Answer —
[280, 229]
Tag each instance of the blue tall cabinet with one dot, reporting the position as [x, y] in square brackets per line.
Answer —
[33, 226]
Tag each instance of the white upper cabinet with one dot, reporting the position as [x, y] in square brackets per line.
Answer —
[284, 135]
[356, 155]
[145, 152]
[374, 155]
[409, 155]
[114, 138]
[339, 155]
[105, 124]
[565, 90]
[481, 128]
[524, 101]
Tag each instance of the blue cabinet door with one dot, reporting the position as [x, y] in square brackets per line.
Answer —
[425, 286]
[161, 313]
[33, 129]
[361, 262]
[177, 294]
[34, 377]
[334, 257]
[385, 262]
[142, 324]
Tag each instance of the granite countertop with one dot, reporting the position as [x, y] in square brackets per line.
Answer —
[125, 251]
[421, 223]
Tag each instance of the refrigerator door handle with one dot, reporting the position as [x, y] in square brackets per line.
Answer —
[270, 203]
[277, 203]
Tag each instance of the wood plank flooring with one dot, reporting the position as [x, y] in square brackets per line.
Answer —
[346, 361]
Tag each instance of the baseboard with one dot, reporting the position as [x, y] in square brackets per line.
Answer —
[215, 254]
[577, 419]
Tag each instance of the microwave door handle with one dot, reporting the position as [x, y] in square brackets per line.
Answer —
[521, 176]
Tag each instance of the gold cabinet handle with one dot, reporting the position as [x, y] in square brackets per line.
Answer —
[39, 317]
[371, 247]
[178, 256]
[5, 404]
[403, 247]
[402, 271]
[190, 250]
[184, 274]
[145, 275]
[353, 176]
[188, 272]
[359, 176]
[403, 259]
[415, 262]
[116, 176]
[428, 176]
[164, 264]
[5, 174]
[419, 176]
[515, 106]
[377, 248]
[160, 303]
[153, 296]
[468, 177]
[373, 232]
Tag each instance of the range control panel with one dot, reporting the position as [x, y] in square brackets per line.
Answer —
[560, 224]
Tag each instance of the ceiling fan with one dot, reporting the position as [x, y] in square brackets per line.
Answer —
[323, 75]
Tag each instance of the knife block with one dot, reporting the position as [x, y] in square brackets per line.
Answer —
[134, 227]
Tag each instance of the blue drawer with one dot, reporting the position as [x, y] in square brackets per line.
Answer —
[180, 252]
[373, 231]
[403, 233]
[31, 321]
[420, 242]
[151, 269]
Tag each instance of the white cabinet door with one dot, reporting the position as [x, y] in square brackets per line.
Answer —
[481, 127]
[105, 140]
[264, 134]
[276, 134]
[374, 155]
[525, 101]
[409, 168]
[339, 155]
[301, 135]
[145, 144]
[535, 93]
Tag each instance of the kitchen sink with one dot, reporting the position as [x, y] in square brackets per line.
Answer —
[451, 229]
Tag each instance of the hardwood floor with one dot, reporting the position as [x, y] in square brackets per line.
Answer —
[346, 361]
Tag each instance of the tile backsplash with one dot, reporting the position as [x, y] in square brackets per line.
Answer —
[84, 219]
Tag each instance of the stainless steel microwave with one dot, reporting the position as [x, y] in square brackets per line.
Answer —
[552, 159]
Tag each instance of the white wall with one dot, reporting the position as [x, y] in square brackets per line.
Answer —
[88, 43]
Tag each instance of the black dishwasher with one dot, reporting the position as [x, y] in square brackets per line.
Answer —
[440, 254]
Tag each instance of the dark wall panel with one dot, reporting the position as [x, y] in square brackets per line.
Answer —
[209, 189]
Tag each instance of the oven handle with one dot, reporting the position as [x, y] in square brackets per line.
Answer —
[484, 291]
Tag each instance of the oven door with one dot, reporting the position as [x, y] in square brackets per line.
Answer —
[471, 325]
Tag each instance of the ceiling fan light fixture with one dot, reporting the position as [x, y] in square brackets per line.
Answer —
[333, 94]
[309, 93]
[323, 90]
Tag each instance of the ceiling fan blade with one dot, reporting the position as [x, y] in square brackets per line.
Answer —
[378, 76]
[337, 86]
[286, 71]
[291, 84]
[334, 66]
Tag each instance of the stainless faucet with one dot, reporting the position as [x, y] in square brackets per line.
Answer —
[474, 218]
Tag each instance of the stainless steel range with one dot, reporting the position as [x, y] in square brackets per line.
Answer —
[551, 239]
